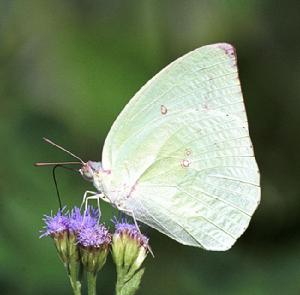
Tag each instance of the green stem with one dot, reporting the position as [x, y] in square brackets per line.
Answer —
[72, 270]
[91, 282]
[119, 284]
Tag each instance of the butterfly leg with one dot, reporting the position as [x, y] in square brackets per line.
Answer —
[131, 213]
[93, 197]
[85, 196]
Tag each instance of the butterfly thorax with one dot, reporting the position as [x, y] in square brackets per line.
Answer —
[94, 172]
[103, 182]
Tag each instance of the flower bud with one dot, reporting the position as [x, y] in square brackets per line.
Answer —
[94, 243]
[129, 246]
[129, 250]
[57, 227]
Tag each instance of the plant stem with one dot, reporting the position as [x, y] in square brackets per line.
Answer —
[73, 266]
[119, 286]
[120, 280]
[91, 282]
[72, 270]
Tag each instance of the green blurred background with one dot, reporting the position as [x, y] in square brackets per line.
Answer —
[67, 68]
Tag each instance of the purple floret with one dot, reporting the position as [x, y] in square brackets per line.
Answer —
[55, 224]
[73, 222]
[96, 236]
[123, 227]
[77, 221]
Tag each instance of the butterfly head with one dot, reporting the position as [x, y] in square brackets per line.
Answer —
[89, 169]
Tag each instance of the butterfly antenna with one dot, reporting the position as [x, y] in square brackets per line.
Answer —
[63, 149]
[38, 164]
[55, 180]
[56, 186]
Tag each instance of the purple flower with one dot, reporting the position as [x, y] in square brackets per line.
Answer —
[95, 237]
[123, 227]
[73, 223]
[129, 250]
[77, 221]
[74, 233]
[55, 224]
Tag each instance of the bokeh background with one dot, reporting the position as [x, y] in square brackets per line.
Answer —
[67, 68]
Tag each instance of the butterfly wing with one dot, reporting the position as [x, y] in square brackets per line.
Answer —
[180, 154]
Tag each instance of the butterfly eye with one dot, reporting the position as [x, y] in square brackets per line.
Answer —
[87, 172]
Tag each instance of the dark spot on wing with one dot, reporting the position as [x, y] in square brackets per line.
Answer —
[185, 163]
[188, 152]
[163, 109]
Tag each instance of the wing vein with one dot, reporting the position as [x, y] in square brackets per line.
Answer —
[232, 178]
[188, 232]
[164, 93]
[205, 193]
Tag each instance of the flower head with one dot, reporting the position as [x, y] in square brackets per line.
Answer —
[55, 225]
[130, 246]
[125, 228]
[94, 245]
[129, 249]
[94, 236]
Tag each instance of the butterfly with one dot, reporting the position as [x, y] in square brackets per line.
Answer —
[179, 157]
